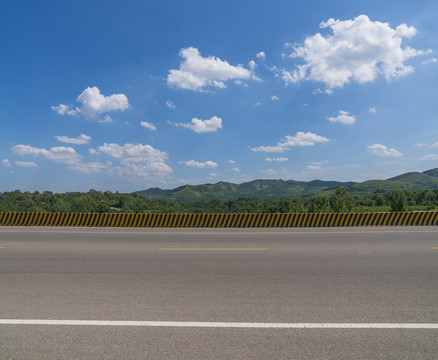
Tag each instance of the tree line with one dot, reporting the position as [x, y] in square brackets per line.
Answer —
[338, 200]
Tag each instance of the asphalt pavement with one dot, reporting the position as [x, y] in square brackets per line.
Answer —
[262, 277]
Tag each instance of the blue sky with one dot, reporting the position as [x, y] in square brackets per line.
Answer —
[129, 95]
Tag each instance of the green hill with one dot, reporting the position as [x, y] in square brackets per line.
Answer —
[253, 189]
[414, 181]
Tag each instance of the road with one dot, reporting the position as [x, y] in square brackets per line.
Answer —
[211, 277]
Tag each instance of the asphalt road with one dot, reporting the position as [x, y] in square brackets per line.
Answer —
[257, 276]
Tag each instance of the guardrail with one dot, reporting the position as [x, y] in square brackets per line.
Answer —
[219, 220]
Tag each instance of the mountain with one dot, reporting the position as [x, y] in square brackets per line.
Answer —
[253, 189]
[413, 181]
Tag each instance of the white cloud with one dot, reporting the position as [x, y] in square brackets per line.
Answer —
[430, 61]
[93, 151]
[344, 118]
[383, 151]
[29, 164]
[170, 105]
[420, 145]
[230, 161]
[372, 110]
[93, 104]
[270, 172]
[261, 55]
[257, 104]
[63, 109]
[106, 119]
[88, 168]
[148, 125]
[316, 165]
[204, 126]
[434, 145]
[197, 72]
[200, 165]
[81, 139]
[277, 159]
[5, 162]
[430, 157]
[275, 98]
[138, 160]
[61, 154]
[235, 169]
[133, 153]
[358, 50]
[299, 139]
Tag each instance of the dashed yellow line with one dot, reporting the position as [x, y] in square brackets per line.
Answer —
[212, 249]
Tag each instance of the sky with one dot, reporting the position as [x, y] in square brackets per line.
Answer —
[124, 96]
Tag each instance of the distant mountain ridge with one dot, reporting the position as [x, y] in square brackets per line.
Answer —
[413, 181]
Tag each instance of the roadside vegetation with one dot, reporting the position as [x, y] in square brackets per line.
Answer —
[338, 200]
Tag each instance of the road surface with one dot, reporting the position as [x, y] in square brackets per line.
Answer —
[338, 293]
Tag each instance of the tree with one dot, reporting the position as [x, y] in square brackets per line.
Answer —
[320, 204]
[341, 201]
[398, 200]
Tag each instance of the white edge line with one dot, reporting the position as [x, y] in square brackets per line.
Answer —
[245, 325]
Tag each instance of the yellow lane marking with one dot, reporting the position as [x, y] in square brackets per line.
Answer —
[436, 248]
[212, 249]
[1, 247]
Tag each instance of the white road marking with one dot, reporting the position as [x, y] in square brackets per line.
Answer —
[245, 325]
[360, 230]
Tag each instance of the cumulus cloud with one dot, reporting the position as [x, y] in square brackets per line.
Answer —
[60, 154]
[235, 169]
[199, 165]
[383, 151]
[133, 153]
[29, 164]
[63, 109]
[344, 118]
[372, 110]
[197, 73]
[81, 139]
[275, 98]
[93, 104]
[204, 126]
[138, 160]
[434, 145]
[277, 159]
[299, 139]
[430, 157]
[5, 162]
[261, 55]
[230, 161]
[148, 125]
[358, 50]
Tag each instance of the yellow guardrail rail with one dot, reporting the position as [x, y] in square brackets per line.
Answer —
[219, 220]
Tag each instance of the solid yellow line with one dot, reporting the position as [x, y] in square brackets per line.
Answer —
[210, 249]
[435, 248]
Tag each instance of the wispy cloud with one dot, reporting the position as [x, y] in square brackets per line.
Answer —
[383, 151]
[299, 139]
